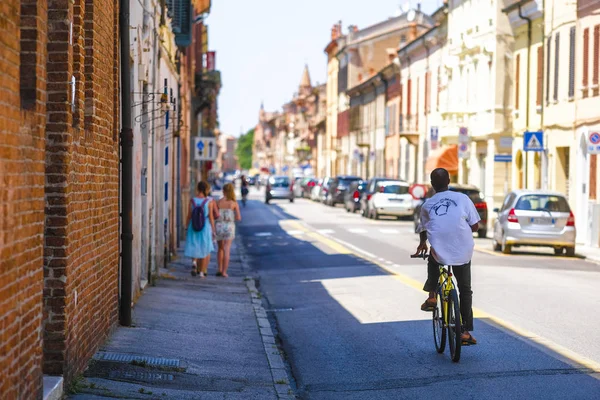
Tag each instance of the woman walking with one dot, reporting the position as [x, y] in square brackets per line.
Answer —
[200, 232]
[229, 212]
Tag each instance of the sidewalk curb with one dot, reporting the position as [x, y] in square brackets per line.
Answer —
[276, 362]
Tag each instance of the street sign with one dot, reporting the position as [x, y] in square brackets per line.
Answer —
[285, 168]
[593, 143]
[433, 137]
[463, 135]
[503, 158]
[206, 149]
[533, 141]
[463, 150]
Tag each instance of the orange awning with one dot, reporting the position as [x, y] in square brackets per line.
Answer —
[445, 157]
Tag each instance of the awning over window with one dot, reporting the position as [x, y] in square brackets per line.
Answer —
[445, 157]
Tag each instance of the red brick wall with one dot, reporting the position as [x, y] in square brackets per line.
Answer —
[22, 118]
[82, 222]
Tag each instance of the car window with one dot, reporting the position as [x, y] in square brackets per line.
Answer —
[508, 201]
[280, 181]
[474, 195]
[346, 182]
[542, 202]
[395, 189]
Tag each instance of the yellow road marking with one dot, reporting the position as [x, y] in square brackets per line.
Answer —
[544, 344]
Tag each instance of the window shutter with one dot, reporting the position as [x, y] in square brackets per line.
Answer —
[548, 50]
[417, 108]
[556, 57]
[401, 109]
[596, 60]
[540, 75]
[517, 80]
[586, 57]
[572, 62]
[408, 98]
[427, 84]
[180, 12]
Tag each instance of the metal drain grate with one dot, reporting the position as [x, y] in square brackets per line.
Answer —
[140, 376]
[127, 358]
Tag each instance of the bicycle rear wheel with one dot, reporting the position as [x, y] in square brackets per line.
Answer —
[454, 326]
[439, 330]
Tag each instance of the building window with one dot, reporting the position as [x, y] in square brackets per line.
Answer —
[540, 76]
[586, 57]
[548, 44]
[517, 80]
[572, 62]
[556, 58]
[596, 60]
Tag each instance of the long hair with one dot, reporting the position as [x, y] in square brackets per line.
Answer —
[229, 192]
[204, 188]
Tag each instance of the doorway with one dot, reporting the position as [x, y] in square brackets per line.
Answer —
[562, 170]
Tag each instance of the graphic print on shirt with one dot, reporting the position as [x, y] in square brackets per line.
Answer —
[442, 206]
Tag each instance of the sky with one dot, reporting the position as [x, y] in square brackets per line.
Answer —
[262, 46]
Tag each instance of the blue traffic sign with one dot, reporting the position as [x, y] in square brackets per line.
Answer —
[503, 158]
[200, 145]
[533, 141]
[285, 168]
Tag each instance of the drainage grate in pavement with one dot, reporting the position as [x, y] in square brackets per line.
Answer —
[127, 358]
[140, 376]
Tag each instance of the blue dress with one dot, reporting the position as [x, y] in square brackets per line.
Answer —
[199, 244]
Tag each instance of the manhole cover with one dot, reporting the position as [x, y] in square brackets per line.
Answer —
[127, 358]
[140, 376]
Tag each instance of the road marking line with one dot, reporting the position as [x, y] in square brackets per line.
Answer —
[357, 230]
[263, 234]
[325, 231]
[544, 343]
[388, 231]
[295, 232]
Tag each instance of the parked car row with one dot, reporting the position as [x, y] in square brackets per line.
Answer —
[526, 218]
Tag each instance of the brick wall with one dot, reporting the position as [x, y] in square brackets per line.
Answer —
[82, 233]
[22, 118]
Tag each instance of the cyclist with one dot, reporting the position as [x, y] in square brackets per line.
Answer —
[448, 220]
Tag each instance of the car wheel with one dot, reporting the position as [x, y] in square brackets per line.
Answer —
[375, 215]
[506, 248]
[558, 251]
[291, 200]
[482, 233]
[570, 251]
[266, 201]
[347, 209]
[495, 245]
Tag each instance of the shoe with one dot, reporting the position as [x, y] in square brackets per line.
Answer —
[194, 273]
[468, 339]
[429, 305]
[202, 275]
[218, 274]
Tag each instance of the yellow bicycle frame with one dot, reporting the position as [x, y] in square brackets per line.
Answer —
[446, 283]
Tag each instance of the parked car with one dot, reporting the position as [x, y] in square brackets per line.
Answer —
[307, 186]
[279, 187]
[352, 196]
[472, 192]
[338, 187]
[535, 218]
[368, 193]
[315, 192]
[297, 186]
[324, 190]
[391, 198]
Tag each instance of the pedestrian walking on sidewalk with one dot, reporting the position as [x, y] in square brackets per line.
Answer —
[229, 212]
[201, 228]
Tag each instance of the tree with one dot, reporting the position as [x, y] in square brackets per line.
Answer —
[244, 149]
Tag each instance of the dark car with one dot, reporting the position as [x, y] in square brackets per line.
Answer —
[352, 196]
[368, 193]
[474, 194]
[338, 187]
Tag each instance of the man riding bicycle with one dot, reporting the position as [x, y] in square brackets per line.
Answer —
[448, 220]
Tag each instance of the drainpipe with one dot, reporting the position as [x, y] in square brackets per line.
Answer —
[126, 168]
[426, 113]
[527, 86]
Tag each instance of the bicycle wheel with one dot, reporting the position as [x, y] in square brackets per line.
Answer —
[454, 326]
[439, 331]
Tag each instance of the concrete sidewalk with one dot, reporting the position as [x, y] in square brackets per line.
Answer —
[193, 338]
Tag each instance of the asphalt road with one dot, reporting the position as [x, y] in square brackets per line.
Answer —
[346, 298]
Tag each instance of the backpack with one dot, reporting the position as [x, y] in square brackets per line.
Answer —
[198, 217]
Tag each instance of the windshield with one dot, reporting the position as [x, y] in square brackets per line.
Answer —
[347, 182]
[395, 189]
[474, 195]
[279, 181]
[543, 202]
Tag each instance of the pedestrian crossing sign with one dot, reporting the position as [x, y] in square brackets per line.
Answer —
[533, 141]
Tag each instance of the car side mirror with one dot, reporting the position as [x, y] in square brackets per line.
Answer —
[496, 210]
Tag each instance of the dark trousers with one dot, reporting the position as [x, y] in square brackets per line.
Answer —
[463, 279]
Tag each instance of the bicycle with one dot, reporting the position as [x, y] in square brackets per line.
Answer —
[446, 315]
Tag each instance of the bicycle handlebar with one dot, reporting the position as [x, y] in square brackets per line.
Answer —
[423, 256]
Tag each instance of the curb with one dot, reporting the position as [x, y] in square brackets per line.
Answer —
[276, 362]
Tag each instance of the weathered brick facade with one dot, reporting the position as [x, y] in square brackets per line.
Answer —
[59, 165]
[22, 120]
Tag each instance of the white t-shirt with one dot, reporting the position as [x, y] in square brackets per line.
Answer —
[447, 217]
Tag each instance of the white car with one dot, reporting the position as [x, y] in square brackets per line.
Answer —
[391, 198]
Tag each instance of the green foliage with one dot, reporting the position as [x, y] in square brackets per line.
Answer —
[244, 149]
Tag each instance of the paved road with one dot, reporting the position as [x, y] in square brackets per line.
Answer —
[355, 330]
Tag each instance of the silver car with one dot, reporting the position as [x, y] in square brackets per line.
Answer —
[535, 218]
[279, 187]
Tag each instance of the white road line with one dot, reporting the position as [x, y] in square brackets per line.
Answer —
[325, 231]
[263, 234]
[357, 230]
[389, 230]
[295, 233]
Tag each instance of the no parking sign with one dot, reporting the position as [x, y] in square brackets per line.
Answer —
[594, 143]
